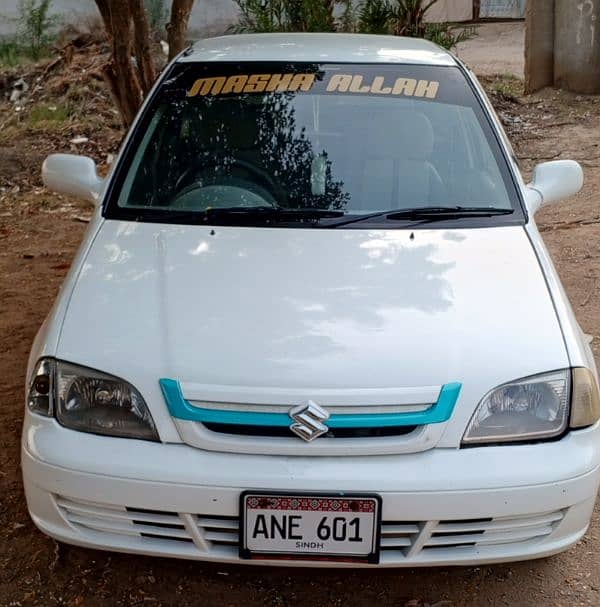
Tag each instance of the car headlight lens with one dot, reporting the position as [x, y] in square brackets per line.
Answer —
[91, 401]
[527, 409]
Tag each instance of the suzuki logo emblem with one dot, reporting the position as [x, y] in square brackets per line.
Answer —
[308, 421]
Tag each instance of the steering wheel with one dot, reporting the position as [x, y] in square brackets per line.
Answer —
[192, 179]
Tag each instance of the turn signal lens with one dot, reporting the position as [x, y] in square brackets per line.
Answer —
[585, 401]
[40, 398]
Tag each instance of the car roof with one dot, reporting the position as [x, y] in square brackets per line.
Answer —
[319, 48]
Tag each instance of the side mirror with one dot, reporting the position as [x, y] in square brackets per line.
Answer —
[554, 181]
[73, 175]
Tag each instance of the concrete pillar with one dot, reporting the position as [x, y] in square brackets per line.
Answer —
[577, 46]
[539, 45]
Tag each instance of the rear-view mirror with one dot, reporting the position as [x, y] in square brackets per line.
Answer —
[72, 175]
[553, 181]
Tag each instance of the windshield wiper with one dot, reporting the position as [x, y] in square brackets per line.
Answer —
[427, 214]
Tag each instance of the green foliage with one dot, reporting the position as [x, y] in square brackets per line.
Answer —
[286, 16]
[259, 16]
[507, 85]
[317, 15]
[36, 27]
[158, 14]
[46, 113]
[348, 21]
[11, 54]
[398, 17]
[374, 17]
[408, 17]
[446, 36]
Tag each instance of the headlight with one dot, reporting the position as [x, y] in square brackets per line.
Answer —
[532, 408]
[90, 401]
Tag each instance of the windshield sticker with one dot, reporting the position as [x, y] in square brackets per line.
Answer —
[338, 83]
[255, 83]
[410, 87]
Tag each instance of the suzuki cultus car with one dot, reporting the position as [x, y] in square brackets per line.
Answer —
[312, 322]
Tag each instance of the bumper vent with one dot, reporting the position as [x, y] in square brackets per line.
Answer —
[489, 532]
[204, 532]
[192, 535]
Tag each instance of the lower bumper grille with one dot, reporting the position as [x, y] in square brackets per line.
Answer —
[216, 535]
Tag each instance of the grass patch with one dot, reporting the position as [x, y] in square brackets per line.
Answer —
[48, 115]
[11, 54]
[508, 84]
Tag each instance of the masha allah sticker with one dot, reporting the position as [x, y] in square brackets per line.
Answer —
[337, 83]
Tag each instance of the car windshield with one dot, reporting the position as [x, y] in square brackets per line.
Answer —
[317, 141]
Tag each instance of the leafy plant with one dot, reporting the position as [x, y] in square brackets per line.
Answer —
[407, 18]
[259, 16]
[374, 17]
[286, 16]
[447, 36]
[36, 26]
[10, 53]
[399, 17]
[348, 20]
[319, 15]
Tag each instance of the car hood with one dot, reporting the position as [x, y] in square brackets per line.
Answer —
[312, 308]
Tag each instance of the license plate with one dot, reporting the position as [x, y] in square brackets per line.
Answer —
[310, 527]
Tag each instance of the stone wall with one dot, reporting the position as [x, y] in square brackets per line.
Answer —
[562, 45]
[209, 17]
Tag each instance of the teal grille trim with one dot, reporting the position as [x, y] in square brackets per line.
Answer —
[438, 413]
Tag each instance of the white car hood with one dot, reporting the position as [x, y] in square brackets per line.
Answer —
[312, 308]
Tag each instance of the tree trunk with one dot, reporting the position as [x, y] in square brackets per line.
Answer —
[177, 26]
[126, 83]
[141, 45]
[120, 75]
[128, 29]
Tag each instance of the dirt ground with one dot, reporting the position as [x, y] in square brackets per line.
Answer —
[39, 233]
[498, 48]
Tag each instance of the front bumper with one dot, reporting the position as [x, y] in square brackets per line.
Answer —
[440, 507]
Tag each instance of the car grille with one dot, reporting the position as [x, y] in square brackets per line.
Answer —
[215, 535]
[280, 440]
[362, 421]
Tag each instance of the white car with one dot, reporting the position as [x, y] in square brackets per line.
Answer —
[313, 323]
